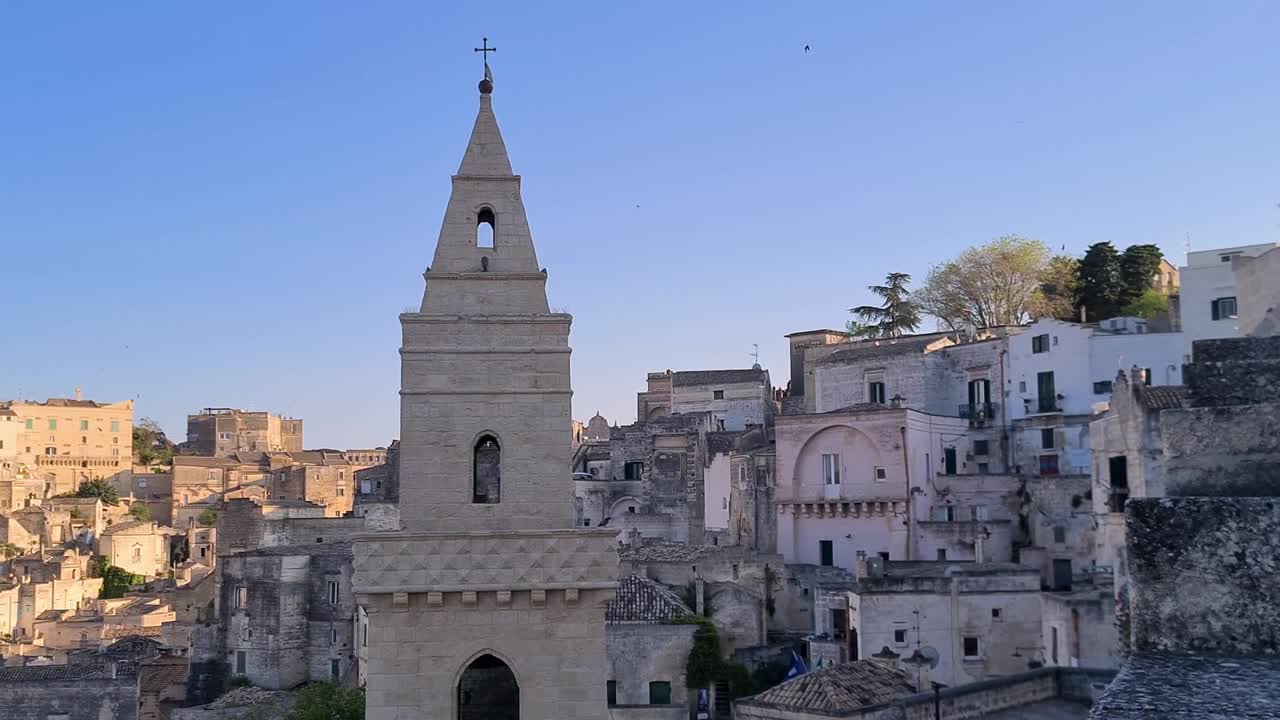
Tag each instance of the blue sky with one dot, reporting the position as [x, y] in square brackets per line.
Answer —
[235, 200]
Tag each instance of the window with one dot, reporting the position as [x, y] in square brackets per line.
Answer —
[1119, 477]
[487, 468]
[839, 623]
[241, 662]
[84, 425]
[333, 592]
[981, 447]
[944, 513]
[900, 636]
[875, 392]
[486, 228]
[717, 394]
[341, 491]
[28, 424]
[364, 636]
[826, 553]
[971, 648]
[1146, 376]
[53, 424]
[115, 452]
[978, 513]
[1053, 645]
[1102, 388]
[984, 467]
[997, 615]
[831, 469]
[115, 426]
[881, 474]
[365, 487]
[115, 441]
[137, 554]
[1046, 439]
[51, 451]
[241, 598]
[724, 502]
[631, 509]
[1059, 534]
[1040, 344]
[660, 693]
[632, 470]
[333, 636]
[942, 553]
[335, 669]
[1022, 386]
[611, 691]
[1048, 464]
[1222, 308]
[1227, 257]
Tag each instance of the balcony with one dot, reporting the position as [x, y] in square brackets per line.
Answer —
[978, 413]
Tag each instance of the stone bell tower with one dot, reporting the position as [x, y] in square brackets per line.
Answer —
[487, 604]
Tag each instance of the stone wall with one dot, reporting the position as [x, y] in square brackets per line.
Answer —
[40, 692]
[1204, 575]
[640, 654]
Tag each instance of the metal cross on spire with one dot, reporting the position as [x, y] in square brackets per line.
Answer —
[485, 49]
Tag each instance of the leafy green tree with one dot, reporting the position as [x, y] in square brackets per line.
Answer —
[328, 701]
[208, 518]
[115, 581]
[1138, 267]
[9, 550]
[704, 657]
[99, 488]
[140, 511]
[1059, 287]
[1101, 283]
[998, 283]
[895, 317]
[150, 445]
[1149, 304]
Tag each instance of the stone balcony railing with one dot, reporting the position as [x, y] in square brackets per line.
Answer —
[843, 508]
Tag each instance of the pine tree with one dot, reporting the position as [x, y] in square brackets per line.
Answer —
[1138, 267]
[1101, 285]
[897, 316]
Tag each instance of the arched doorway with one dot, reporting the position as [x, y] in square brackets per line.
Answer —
[488, 690]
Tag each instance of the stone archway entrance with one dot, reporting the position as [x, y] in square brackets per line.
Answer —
[488, 690]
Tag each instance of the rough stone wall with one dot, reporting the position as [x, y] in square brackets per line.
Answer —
[643, 653]
[743, 404]
[1258, 292]
[331, 626]
[672, 449]
[753, 518]
[1204, 575]
[843, 384]
[1085, 626]
[1061, 503]
[83, 699]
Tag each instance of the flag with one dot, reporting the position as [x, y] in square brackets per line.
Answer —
[797, 667]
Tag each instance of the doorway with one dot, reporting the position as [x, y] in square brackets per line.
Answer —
[488, 690]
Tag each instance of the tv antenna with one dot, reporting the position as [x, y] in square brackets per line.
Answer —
[755, 354]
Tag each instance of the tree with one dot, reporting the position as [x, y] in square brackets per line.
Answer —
[1059, 287]
[998, 283]
[98, 488]
[140, 511]
[1149, 304]
[150, 445]
[1101, 284]
[1138, 267]
[9, 550]
[895, 317]
[208, 518]
[327, 701]
[115, 581]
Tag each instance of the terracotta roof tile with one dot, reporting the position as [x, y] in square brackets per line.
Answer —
[1162, 397]
[641, 600]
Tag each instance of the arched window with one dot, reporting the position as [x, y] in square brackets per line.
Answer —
[487, 690]
[486, 228]
[487, 471]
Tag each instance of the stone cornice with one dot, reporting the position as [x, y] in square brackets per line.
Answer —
[485, 178]
[490, 276]
[538, 318]
[489, 391]
[441, 350]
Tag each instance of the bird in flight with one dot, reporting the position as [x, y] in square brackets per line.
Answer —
[806, 48]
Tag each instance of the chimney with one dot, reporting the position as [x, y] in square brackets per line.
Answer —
[978, 549]
[860, 565]
[78, 395]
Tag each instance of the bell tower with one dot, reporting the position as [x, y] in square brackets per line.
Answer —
[487, 584]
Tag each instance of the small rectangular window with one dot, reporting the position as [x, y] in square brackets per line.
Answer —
[826, 553]
[1059, 534]
[717, 394]
[881, 474]
[875, 392]
[115, 426]
[831, 469]
[984, 467]
[997, 615]
[84, 425]
[1146, 376]
[1040, 344]
[978, 513]
[29, 424]
[241, 599]
[53, 424]
[611, 691]
[335, 670]
[1048, 464]
[632, 470]
[241, 662]
[981, 447]
[942, 553]
[660, 693]
[971, 649]
[333, 636]
[1223, 308]
[1046, 439]
[333, 592]
[1102, 388]
[900, 636]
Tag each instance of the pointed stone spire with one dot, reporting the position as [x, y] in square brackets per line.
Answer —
[486, 154]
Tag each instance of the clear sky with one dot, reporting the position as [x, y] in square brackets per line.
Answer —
[228, 204]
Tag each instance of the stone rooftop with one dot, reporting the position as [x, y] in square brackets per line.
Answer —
[641, 600]
[874, 349]
[686, 378]
[48, 673]
[840, 688]
[665, 552]
[1178, 687]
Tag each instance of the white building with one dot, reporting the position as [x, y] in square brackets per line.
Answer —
[1060, 373]
[1210, 300]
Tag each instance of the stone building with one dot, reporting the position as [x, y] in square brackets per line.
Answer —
[1258, 293]
[64, 442]
[734, 399]
[655, 401]
[69, 692]
[981, 619]
[378, 484]
[286, 616]
[647, 652]
[487, 604]
[223, 432]
[140, 547]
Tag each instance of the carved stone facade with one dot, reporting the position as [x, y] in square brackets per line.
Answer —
[487, 604]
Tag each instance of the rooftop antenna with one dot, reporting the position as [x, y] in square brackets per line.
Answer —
[755, 354]
[1186, 245]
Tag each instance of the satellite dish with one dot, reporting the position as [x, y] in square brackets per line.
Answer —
[930, 654]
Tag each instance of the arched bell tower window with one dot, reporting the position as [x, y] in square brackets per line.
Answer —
[487, 471]
[486, 228]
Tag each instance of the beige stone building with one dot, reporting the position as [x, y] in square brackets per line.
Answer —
[62, 443]
[487, 604]
[222, 432]
[142, 548]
